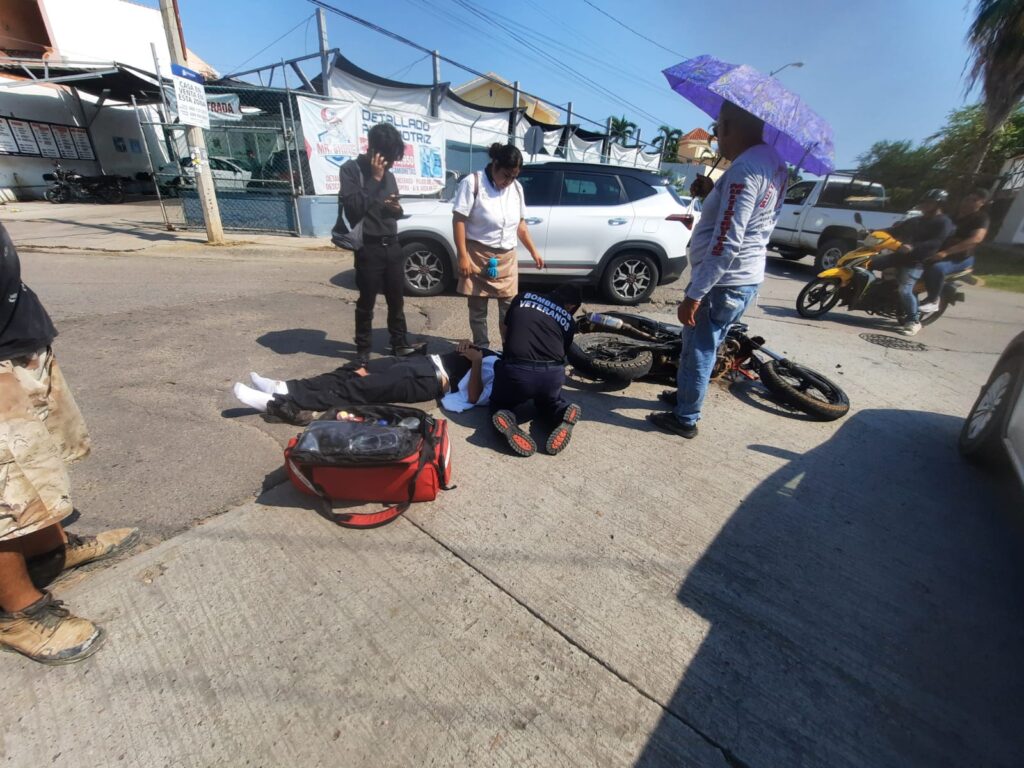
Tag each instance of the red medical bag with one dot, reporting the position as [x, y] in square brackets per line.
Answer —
[385, 453]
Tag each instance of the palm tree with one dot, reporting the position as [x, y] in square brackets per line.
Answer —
[996, 39]
[668, 140]
[621, 129]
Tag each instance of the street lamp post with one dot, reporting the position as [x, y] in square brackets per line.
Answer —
[796, 64]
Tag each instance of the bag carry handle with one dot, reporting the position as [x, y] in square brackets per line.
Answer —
[384, 516]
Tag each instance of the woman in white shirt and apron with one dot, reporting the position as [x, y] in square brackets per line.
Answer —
[489, 215]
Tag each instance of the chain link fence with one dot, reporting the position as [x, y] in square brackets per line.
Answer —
[253, 153]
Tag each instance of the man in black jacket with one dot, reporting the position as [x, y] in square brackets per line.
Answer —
[922, 236]
[41, 428]
[369, 196]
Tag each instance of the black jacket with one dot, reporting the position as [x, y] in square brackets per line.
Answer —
[365, 201]
[925, 235]
[24, 325]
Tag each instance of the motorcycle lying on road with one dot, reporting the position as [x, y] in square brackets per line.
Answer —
[852, 284]
[70, 186]
[618, 346]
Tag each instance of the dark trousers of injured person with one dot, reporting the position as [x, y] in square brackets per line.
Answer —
[388, 380]
[518, 382]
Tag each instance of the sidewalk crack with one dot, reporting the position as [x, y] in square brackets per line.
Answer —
[728, 755]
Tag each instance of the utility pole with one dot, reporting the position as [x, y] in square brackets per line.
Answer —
[325, 66]
[194, 134]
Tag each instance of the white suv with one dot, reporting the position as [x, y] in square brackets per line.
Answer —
[622, 229]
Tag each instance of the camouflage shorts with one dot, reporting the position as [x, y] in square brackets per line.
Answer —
[41, 429]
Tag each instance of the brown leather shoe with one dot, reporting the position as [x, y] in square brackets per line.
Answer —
[47, 632]
[47, 569]
[88, 549]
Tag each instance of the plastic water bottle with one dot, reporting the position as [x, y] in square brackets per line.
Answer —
[410, 422]
[608, 322]
[492, 268]
[374, 442]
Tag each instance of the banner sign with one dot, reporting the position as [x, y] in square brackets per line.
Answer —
[224, 106]
[335, 132]
[35, 138]
[190, 97]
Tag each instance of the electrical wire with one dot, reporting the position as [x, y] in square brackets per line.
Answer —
[406, 41]
[638, 34]
[505, 26]
[404, 70]
[235, 68]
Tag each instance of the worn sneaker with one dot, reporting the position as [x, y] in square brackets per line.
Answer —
[518, 441]
[669, 423]
[928, 306]
[47, 632]
[562, 434]
[909, 329]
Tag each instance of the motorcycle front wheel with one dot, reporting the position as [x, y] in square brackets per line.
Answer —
[818, 297]
[610, 356]
[56, 195]
[805, 390]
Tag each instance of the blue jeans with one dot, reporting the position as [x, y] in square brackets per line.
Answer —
[906, 278]
[935, 275]
[722, 307]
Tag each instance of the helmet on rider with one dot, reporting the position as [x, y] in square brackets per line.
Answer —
[936, 195]
[933, 200]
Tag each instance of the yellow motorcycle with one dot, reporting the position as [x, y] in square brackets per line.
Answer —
[853, 284]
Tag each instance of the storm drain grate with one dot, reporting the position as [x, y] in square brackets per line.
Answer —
[894, 342]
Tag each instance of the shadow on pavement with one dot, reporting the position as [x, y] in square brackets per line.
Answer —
[133, 228]
[855, 621]
[308, 340]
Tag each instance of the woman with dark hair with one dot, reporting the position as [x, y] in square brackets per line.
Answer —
[369, 195]
[489, 215]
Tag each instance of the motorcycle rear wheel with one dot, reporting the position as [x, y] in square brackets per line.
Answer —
[610, 356]
[818, 297]
[931, 317]
[111, 194]
[805, 390]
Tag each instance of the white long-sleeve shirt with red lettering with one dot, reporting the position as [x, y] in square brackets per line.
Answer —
[730, 243]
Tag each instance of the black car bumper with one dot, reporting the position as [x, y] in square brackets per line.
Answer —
[673, 269]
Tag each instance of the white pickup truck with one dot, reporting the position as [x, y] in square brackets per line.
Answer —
[817, 217]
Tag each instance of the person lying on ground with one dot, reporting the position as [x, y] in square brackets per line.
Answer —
[41, 429]
[539, 328]
[461, 379]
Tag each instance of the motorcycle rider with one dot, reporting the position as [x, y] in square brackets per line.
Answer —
[957, 252]
[729, 250]
[922, 236]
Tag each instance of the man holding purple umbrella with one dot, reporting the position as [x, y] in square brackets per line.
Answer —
[728, 251]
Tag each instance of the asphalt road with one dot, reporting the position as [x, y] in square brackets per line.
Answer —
[777, 592]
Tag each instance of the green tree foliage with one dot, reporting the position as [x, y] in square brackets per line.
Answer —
[996, 39]
[947, 159]
[621, 129]
[668, 141]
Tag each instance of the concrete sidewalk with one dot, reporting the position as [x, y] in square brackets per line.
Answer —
[778, 592]
[127, 228]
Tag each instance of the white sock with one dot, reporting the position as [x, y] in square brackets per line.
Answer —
[252, 398]
[270, 386]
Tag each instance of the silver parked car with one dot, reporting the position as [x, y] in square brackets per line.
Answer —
[994, 430]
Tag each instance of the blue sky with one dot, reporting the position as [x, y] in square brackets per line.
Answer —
[875, 69]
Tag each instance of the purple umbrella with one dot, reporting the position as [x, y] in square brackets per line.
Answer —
[802, 137]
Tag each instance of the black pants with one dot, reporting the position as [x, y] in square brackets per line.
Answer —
[515, 383]
[388, 380]
[380, 269]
